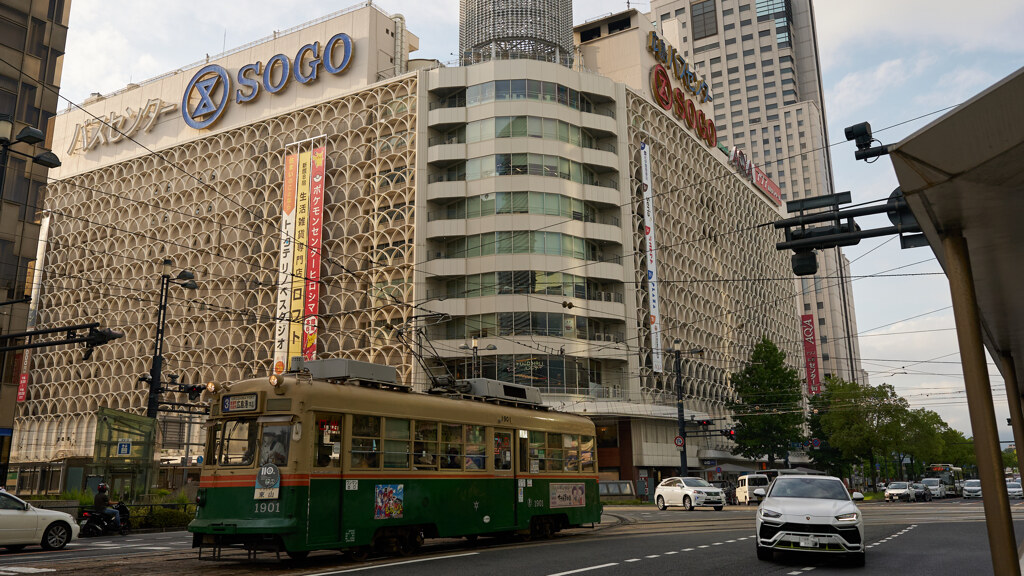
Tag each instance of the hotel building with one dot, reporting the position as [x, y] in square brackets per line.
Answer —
[496, 218]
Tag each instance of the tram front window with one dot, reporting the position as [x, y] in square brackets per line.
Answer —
[274, 445]
[234, 443]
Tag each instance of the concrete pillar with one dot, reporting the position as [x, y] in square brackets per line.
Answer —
[1001, 539]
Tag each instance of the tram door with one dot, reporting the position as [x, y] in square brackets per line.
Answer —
[504, 471]
[325, 482]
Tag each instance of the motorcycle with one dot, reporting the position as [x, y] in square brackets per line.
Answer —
[99, 523]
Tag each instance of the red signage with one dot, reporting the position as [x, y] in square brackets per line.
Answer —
[21, 361]
[756, 175]
[810, 354]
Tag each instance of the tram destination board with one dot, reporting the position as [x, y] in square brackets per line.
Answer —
[239, 403]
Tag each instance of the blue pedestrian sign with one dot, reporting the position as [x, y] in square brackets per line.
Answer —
[124, 447]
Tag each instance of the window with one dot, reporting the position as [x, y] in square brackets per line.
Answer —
[233, 443]
[366, 442]
[703, 19]
[618, 25]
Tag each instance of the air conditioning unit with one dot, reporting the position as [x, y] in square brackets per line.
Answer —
[438, 255]
[607, 337]
[599, 336]
[607, 296]
[617, 339]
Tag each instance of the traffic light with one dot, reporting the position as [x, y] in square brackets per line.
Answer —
[729, 433]
[195, 391]
[705, 423]
[97, 337]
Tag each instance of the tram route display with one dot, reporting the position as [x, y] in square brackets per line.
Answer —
[319, 459]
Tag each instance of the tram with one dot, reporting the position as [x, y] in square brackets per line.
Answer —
[336, 455]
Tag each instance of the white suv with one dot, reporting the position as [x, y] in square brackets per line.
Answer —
[897, 491]
[936, 487]
[688, 492]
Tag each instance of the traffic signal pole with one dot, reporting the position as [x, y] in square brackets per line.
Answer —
[153, 405]
[681, 412]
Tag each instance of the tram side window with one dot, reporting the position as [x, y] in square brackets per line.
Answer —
[451, 446]
[587, 462]
[425, 455]
[476, 448]
[328, 440]
[396, 442]
[502, 451]
[274, 444]
[571, 453]
[236, 443]
[535, 448]
[553, 462]
[366, 442]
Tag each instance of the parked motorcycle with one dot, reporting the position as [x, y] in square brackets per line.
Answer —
[98, 523]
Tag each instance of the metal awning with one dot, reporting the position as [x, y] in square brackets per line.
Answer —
[963, 178]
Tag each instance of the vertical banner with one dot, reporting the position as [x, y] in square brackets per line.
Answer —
[282, 329]
[652, 256]
[33, 308]
[299, 261]
[313, 247]
[20, 358]
[810, 354]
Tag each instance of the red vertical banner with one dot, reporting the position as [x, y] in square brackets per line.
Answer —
[313, 247]
[21, 360]
[810, 354]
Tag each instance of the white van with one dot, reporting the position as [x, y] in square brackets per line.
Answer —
[747, 484]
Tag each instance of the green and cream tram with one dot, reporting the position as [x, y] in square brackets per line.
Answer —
[336, 456]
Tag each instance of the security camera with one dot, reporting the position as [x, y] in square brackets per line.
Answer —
[861, 133]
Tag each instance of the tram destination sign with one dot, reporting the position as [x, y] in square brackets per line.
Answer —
[239, 403]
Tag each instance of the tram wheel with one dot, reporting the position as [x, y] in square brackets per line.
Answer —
[410, 542]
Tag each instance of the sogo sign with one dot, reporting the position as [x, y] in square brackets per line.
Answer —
[206, 96]
[674, 99]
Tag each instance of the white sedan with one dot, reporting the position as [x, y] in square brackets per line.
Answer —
[809, 514]
[22, 524]
[688, 492]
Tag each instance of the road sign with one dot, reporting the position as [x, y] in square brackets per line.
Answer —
[124, 447]
[816, 442]
[680, 441]
[199, 459]
[718, 468]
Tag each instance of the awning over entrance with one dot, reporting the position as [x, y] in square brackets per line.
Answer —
[963, 178]
[730, 469]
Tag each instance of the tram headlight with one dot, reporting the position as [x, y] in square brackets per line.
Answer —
[211, 387]
[277, 383]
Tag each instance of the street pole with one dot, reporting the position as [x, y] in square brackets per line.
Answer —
[475, 349]
[158, 345]
[680, 411]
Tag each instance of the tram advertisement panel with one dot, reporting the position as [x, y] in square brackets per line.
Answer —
[568, 495]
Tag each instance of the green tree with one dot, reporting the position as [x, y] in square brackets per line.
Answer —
[769, 415]
[957, 449]
[827, 456]
[1010, 458]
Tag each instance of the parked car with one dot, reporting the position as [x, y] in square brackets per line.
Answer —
[688, 492]
[972, 489]
[1014, 490]
[921, 492]
[727, 488]
[810, 514]
[937, 488]
[747, 484]
[897, 491]
[22, 524]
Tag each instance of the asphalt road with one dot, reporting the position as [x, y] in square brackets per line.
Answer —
[938, 538]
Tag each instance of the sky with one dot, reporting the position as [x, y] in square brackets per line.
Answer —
[893, 64]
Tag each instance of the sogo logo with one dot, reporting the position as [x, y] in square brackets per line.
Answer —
[206, 96]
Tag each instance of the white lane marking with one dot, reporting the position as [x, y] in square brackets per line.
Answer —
[809, 568]
[587, 569]
[652, 556]
[717, 544]
[730, 541]
[671, 552]
[797, 573]
[394, 564]
[156, 548]
[25, 570]
[687, 549]
[703, 546]
[633, 560]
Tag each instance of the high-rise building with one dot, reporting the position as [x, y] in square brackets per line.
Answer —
[32, 36]
[512, 218]
[761, 58]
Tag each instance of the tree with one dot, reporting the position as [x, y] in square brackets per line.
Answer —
[769, 415]
[827, 456]
[1010, 458]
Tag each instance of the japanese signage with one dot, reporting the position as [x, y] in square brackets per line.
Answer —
[21, 360]
[298, 296]
[115, 127]
[208, 93]
[651, 250]
[810, 354]
[567, 495]
[238, 403]
[747, 167]
[282, 329]
[675, 99]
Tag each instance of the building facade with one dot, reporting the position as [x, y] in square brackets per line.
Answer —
[762, 60]
[32, 37]
[493, 219]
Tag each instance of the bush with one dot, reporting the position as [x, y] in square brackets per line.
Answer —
[161, 517]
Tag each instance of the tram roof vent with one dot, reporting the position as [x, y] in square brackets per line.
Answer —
[502, 391]
[346, 370]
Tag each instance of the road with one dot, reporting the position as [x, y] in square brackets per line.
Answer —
[943, 537]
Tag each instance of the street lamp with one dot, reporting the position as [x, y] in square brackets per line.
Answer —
[27, 135]
[185, 279]
[475, 347]
[680, 412]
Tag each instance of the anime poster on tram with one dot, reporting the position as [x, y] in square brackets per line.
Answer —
[388, 501]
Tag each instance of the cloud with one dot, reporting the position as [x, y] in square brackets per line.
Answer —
[863, 88]
[955, 87]
[847, 29]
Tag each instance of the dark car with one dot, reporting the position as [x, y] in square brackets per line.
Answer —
[921, 492]
[728, 488]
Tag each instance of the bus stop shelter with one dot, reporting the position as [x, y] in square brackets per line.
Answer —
[963, 178]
